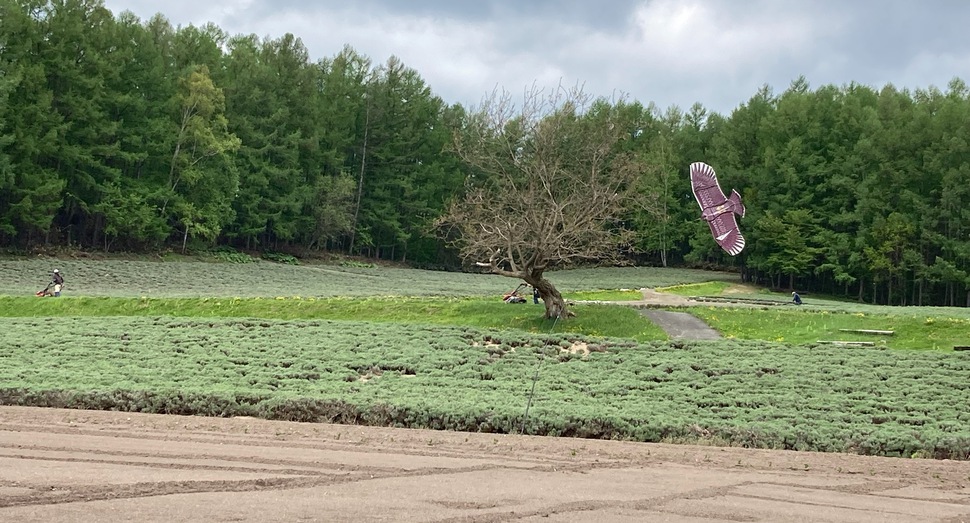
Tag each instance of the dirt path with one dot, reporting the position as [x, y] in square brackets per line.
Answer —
[677, 325]
[68, 465]
[681, 325]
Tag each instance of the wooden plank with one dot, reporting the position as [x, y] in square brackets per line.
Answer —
[961, 347]
[720, 299]
[851, 343]
[869, 331]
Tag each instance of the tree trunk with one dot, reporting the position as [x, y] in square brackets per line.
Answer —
[550, 296]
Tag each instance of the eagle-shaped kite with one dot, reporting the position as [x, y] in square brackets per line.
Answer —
[717, 209]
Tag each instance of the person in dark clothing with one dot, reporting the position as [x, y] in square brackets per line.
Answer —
[58, 282]
[795, 298]
[535, 295]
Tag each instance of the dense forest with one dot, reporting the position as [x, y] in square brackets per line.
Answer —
[119, 134]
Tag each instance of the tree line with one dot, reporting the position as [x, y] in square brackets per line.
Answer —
[128, 135]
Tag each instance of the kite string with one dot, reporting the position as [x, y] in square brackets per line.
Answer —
[535, 376]
[535, 379]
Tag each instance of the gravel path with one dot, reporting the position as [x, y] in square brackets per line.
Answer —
[681, 325]
[677, 325]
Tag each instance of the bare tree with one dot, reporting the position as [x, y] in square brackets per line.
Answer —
[550, 187]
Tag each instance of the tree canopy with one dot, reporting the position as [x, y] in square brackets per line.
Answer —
[127, 135]
[548, 188]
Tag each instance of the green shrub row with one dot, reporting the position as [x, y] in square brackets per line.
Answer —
[937, 445]
[729, 392]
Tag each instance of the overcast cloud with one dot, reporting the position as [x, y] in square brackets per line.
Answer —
[669, 52]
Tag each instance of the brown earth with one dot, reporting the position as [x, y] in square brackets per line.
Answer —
[72, 465]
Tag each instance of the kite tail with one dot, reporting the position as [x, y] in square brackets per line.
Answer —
[736, 204]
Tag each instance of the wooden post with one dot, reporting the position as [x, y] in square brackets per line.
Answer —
[869, 331]
[849, 343]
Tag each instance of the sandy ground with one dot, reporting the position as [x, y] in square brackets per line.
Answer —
[72, 465]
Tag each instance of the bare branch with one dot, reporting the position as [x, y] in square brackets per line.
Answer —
[550, 183]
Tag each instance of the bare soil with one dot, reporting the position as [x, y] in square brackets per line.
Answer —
[73, 465]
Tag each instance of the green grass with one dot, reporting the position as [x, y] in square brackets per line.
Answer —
[806, 326]
[926, 328]
[608, 295]
[374, 293]
[591, 319]
[709, 288]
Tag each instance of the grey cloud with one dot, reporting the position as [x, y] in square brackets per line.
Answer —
[671, 52]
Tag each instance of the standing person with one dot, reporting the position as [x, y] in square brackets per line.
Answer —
[58, 281]
[795, 298]
[535, 295]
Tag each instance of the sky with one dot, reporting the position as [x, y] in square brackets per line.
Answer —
[718, 53]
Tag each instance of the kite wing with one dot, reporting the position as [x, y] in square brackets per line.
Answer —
[727, 234]
[718, 210]
[706, 189]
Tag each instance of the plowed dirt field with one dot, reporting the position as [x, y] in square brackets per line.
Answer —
[72, 465]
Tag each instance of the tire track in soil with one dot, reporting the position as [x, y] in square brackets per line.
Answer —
[649, 504]
[357, 447]
[73, 493]
[544, 459]
[304, 478]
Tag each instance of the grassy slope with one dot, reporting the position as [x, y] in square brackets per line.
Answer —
[291, 289]
[742, 384]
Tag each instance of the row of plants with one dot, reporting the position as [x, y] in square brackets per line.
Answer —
[925, 329]
[194, 278]
[592, 319]
[750, 393]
